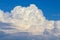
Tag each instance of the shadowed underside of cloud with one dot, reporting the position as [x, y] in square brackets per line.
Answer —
[27, 36]
[27, 23]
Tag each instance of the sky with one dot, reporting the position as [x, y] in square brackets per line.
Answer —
[29, 20]
[27, 23]
[50, 8]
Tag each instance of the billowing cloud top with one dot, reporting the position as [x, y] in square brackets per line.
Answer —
[28, 19]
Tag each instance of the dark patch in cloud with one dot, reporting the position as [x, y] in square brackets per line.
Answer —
[2, 24]
[5, 26]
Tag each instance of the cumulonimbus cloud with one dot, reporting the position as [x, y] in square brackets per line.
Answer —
[28, 19]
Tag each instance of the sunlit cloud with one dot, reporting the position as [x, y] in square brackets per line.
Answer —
[28, 19]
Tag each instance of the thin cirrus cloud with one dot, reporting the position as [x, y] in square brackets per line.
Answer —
[28, 19]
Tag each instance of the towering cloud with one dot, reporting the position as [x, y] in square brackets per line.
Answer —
[28, 19]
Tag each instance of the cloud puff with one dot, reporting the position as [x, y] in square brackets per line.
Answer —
[28, 19]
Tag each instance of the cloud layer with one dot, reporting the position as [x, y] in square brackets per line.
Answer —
[28, 19]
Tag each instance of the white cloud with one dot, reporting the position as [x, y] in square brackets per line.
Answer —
[50, 25]
[1, 15]
[28, 19]
[57, 24]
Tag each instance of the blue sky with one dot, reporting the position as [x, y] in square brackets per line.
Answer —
[50, 8]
